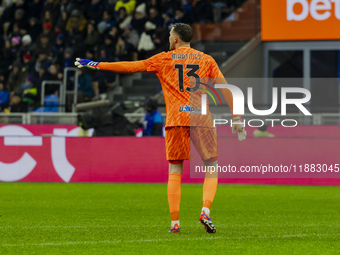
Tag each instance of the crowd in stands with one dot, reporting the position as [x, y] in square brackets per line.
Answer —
[39, 38]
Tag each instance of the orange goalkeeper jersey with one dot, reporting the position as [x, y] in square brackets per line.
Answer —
[182, 73]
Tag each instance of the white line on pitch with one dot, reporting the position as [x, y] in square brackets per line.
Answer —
[162, 240]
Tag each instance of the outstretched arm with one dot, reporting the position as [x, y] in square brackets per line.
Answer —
[117, 67]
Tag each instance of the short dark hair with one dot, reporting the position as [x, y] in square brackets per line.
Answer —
[184, 31]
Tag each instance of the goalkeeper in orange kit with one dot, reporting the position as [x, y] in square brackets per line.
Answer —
[181, 71]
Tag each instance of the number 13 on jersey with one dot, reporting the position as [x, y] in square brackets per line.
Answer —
[191, 73]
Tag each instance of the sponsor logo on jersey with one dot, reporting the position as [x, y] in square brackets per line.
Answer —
[187, 108]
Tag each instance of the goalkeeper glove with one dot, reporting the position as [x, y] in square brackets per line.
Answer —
[80, 62]
[238, 126]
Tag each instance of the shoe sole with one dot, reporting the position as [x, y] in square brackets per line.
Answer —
[208, 229]
[175, 231]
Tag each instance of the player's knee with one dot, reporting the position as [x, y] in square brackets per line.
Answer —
[176, 166]
[176, 162]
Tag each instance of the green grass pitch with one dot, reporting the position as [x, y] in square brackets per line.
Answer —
[55, 218]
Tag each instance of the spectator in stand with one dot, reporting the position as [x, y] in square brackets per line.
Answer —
[5, 58]
[12, 7]
[104, 79]
[9, 10]
[76, 23]
[19, 4]
[187, 9]
[68, 58]
[80, 5]
[29, 95]
[27, 47]
[47, 32]
[26, 41]
[61, 23]
[2, 19]
[35, 8]
[85, 86]
[52, 7]
[121, 50]
[110, 5]
[203, 11]
[139, 19]
[54, 75]
[168, 21]
[51, 103]
[94, 11]
[44, 44]
[48, 18]
[114, 32]
[5, 29]
[27, 84]
[102, 30]
[128, 5]
[146, 44]
[131, 38]
[28, 65]
[15, 30]
[153, 120]
[161, 39]
[108, 18]
[15, 47]
[155, 18]
[66, 6]
[181, 18]
[18, 26]
[169, 6]
[154, 4]
[123, 18]
[60, 44]
[90, 54]
[78, 45]
[59, 50]
[40, 76]
[92, 34]
[42, 60]
[34, 28]
[16, 78]
[108, 46]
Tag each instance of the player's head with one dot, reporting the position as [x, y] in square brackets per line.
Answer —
[180, 34]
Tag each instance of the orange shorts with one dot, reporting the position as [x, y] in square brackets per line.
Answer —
[177, 142]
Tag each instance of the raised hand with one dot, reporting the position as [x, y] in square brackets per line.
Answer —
[238, 126]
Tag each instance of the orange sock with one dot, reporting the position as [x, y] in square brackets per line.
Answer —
[174, 194]
[209, 191]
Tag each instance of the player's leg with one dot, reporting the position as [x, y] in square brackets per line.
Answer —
[205, 142]
[174, 192]
[177, 140]
[210, 184]
[209, 191]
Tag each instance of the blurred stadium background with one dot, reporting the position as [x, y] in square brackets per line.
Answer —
[61, 124]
